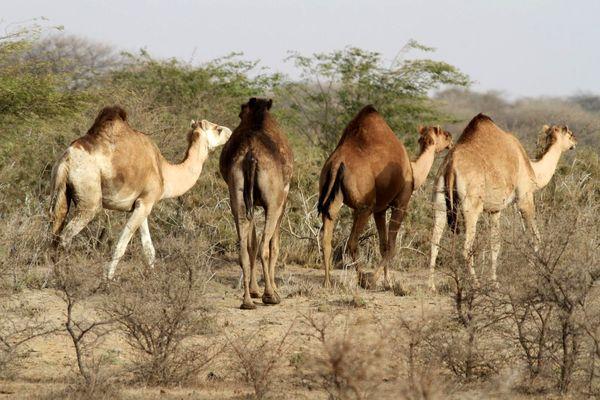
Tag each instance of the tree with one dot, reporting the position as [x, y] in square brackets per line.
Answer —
[28, 87]
[335, 86]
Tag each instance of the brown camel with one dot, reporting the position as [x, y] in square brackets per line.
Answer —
[118, 168]
[487, 171]
[370, 172]
[257, 163]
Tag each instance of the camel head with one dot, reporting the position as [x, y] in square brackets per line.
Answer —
[216, 135]
[434, 136]
[559, 134]
[255, 108]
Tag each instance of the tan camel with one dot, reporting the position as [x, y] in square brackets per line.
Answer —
[118, 168]
[257, 163]
[486, 171]
[370, 172]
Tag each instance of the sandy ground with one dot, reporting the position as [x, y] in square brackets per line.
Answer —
[51, 364]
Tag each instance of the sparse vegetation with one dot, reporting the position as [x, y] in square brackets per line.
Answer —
[177, 328]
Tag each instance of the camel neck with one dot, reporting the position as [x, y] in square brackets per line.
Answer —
[545, 167]
[179, 178]
[422, 166]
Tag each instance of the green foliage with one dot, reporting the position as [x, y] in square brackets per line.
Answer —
[27, 87]
[335, 86]
[224, 82]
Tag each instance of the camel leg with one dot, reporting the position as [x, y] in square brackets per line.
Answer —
[243, 228]
[439, 224]
[274, 251]
[271, 220]
[252, 251]
[382, 232]
[327, 235]
[361, 217]
[139, 214]
[398, 213]
[495, 242]
[471, 216]
[274, 245]
[527, 210]
[147, 245]
[81, 217]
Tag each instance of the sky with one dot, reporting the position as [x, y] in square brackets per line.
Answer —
[518, 47]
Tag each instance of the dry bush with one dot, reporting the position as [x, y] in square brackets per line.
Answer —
[553, 295]
[369, 359]
[20, 323]
[23, 249]
[259, 360]
[468, 341]
[162, 316]
[418, 368]
[86, 330]
[347, 364]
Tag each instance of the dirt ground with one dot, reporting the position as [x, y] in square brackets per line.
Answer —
[51, 363]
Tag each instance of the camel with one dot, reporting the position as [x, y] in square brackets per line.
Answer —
[118, 168]
[370, 172]
[486, 171]
[256, 163]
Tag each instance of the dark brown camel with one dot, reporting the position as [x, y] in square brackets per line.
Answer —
[256, 163]
[370, 172]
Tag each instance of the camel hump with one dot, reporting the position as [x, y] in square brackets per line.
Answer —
[476, 121]
[107, 116]
[367, 116]
[366, 110]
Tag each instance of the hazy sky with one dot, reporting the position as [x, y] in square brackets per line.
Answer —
[521, 47]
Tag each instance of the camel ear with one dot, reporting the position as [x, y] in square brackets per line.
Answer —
[269, 104]
[546, 128]
[193, 124]
[252, 102]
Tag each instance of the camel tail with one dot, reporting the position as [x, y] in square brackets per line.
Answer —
[59, 200]
[249, 168]
[332, 186]
[452, 200]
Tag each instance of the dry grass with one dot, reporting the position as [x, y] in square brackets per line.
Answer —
[178, 327]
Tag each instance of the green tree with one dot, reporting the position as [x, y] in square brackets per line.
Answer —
[335, 86]
[216, 86]
[28, 88]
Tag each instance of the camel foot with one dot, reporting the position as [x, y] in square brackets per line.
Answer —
[431, 285]
[270, 299]
[387, 285]
[327, 283]
[248, 305]
[255, 295]
[366, 279]
[104, 286]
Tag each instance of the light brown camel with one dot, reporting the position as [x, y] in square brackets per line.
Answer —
[118, 168]
[256, 163]
[370, 172]
[486, 171]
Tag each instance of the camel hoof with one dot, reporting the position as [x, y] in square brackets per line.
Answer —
[248, 306]
[255, 295]
[327, 284]
[366, 280]
[270, 299]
